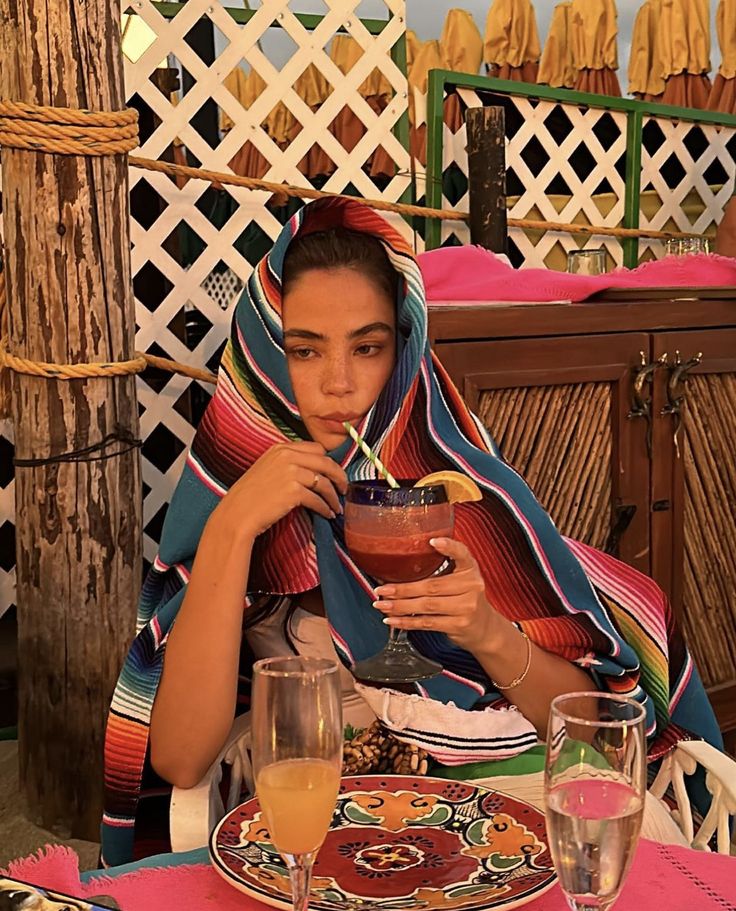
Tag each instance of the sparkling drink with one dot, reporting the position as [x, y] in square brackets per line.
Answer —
[298, 797]
[593, 828]
[594, 789]
[296, 735]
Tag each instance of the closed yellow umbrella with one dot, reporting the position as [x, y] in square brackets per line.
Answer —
[247, 161]
[645, 65]
[461, 50]
[347, 127]
[685, 52]
[313, 89]
[556, 66]
[427, 57]
[413, 46]
[723, 94]
[511, 49]
[593, 39]
[461, 44]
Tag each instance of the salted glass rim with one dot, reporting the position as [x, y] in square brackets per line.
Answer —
[304, 667]
[593, 723]
[377, 492]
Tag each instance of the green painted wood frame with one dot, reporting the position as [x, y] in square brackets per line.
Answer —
[441, 80]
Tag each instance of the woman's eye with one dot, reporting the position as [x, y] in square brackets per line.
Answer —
[301, 354]
[367, 350]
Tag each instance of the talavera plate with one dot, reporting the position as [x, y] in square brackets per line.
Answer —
[398, 843]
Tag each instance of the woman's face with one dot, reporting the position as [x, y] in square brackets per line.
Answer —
[340, 343]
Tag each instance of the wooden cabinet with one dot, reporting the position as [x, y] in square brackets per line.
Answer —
[622, 419]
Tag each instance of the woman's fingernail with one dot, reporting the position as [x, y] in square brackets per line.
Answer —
[383, 605]
[438, 542]
[332, 514]
[385, 591]
[389, 621]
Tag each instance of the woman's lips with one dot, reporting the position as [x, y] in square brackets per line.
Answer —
[336, 423]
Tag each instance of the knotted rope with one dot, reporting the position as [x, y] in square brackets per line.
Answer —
[67, 131]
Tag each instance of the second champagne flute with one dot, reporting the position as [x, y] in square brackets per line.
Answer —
[594, 789]
[297, 739]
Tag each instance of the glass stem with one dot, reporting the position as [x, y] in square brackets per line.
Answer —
[396, 638]
[300, 874]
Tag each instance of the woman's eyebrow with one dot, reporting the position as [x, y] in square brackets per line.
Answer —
[304, 333]
[371, 327]
[356, 333]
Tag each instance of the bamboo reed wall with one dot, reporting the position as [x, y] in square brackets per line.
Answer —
[709, 582]
[559, 439]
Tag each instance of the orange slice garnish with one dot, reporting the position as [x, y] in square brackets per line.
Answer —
[460, 488]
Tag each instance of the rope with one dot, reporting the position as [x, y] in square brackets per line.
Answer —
[67, 131]
[93, 369]
[80, 371]
[220, 179]
[70, 371]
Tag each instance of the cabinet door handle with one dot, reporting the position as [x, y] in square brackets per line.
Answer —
[621, 519]
[676, 392]
[641, 406]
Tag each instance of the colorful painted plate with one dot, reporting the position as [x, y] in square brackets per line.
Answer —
[398, 842]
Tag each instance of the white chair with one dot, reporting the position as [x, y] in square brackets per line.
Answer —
[196, 811]
[720, 780]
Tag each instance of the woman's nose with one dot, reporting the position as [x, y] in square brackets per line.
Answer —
[337, 378]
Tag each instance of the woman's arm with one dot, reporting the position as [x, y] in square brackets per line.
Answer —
[456, 605]
[195, 703]
[504, 655]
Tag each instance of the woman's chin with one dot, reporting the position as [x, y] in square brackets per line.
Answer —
[329, 440]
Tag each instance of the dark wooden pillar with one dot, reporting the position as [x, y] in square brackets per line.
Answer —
[78, 518]
[487, 177]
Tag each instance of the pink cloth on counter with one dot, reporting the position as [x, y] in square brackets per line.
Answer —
[662, 876]
[474, 274]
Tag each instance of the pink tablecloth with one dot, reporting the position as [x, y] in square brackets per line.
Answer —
[475, 274]
[662, 878]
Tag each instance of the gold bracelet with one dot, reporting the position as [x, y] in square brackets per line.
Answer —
[520, 679]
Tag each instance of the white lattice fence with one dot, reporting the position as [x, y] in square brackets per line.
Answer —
[563, 163]
[194, 246]
[687, 177]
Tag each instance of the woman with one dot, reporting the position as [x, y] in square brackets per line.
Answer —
[332, 327]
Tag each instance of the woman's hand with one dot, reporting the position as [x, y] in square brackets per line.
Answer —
[454, 604]
[286, 476]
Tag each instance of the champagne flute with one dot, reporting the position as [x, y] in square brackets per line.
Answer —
[297, 758]
[594, 787]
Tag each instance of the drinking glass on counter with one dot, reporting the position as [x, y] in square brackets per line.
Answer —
[682, 246]
[587, 262]
[387, 532]
[297, 739]
[594, 787]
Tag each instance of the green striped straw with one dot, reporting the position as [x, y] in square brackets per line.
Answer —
[370, 454]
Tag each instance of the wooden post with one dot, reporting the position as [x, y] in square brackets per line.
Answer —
[487, 177]
[78, 522]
